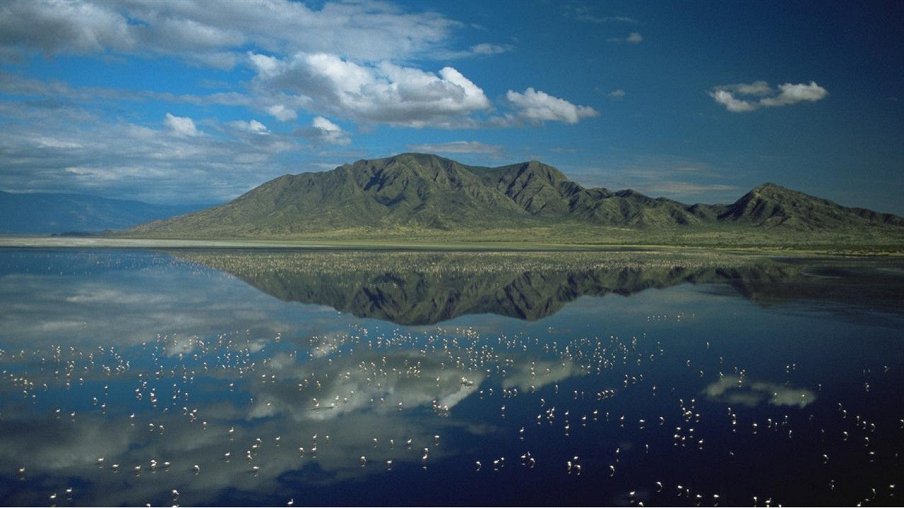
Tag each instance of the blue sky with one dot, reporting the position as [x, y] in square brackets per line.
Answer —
[192, 101]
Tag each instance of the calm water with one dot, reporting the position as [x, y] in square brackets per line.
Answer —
[343, 378]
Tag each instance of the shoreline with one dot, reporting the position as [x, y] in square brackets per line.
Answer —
[53, 242]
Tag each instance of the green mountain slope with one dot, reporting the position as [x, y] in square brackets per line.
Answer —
[427, 194]
[773, 205]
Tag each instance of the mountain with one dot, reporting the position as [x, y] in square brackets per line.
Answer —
[773, 205]
[46, 213]
[412, 288]
[427, 193]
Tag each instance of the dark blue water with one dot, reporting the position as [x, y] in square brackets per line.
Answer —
[513, 380]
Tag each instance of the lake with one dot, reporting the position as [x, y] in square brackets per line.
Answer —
[255, 377]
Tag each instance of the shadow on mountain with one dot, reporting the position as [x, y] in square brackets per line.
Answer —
[410, 288]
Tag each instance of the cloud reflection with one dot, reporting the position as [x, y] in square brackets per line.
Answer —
[261, 407]
[734, 390]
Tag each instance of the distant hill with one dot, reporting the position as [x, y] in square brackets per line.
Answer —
[422, 192]
[51, 213]
[773, 205]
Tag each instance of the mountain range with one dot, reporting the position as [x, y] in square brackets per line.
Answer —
[56, 213]
[425, 288]
[421, 193]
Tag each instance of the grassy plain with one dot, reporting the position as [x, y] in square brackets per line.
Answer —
[537, 239]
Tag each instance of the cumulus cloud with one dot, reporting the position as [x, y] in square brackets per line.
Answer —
[727, 99]
[324, 131]
[251, 127]
[172, 161]
[71, 27]
[281, 112]
[192, 30]
[757, 88]
[294, 51]
[744, 97]
[381, 92]
[538, 106]
[792, 94]
[181, 125]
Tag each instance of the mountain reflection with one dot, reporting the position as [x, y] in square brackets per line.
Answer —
[412, 288]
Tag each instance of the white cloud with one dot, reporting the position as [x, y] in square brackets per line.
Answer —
[166, 163]
[193, 30]
[266, 66]
[382, 92]
[744, 97]
[181, 125]
[491, 49]
[727, 99]
[325, 131]
[252, 127]
[457, 147]
[282, 113]
[792, 94]
[538, 106]
[758, 88]
[617, 94]
[292, 49]
[71, 27]
[477, 50]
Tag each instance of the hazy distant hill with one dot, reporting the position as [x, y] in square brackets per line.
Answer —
[46, 213]
[424, 192]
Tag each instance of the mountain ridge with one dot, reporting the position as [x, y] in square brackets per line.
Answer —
[432, 193]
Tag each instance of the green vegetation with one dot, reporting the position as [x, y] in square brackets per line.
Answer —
[427, 199]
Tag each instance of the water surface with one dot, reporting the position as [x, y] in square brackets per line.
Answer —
[338, 378]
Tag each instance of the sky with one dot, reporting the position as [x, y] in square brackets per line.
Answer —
[192, 101]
